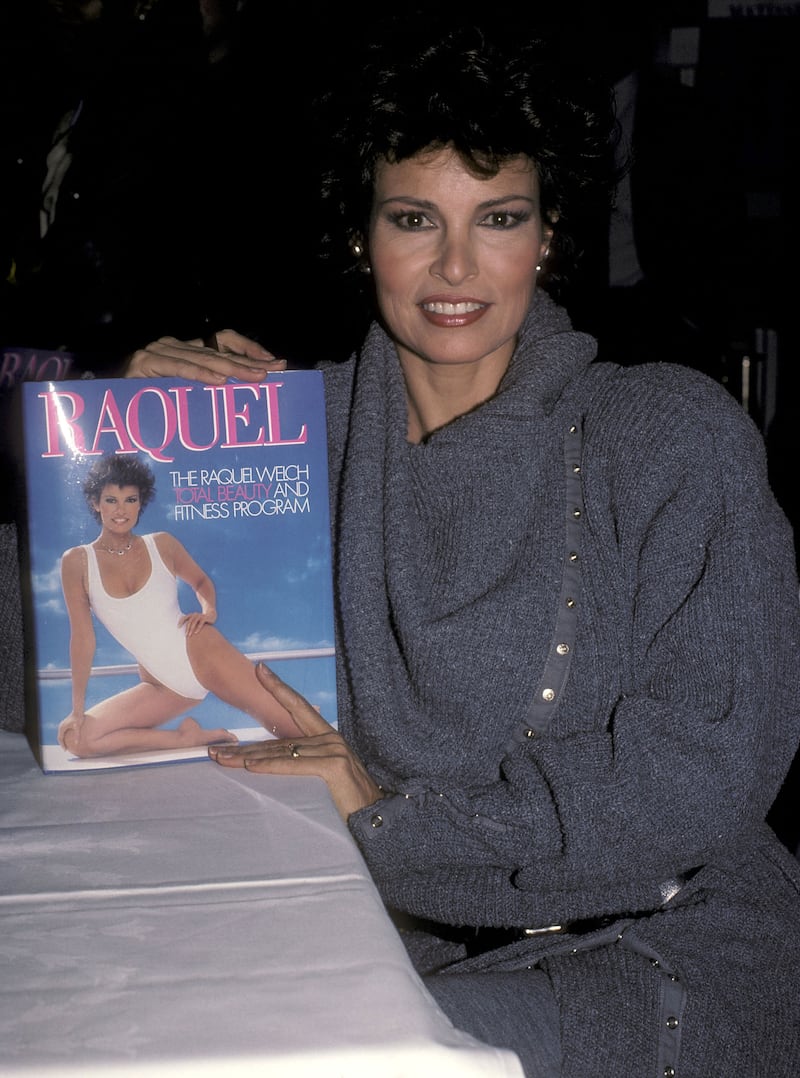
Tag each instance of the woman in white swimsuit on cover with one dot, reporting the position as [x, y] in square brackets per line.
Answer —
[129, 582]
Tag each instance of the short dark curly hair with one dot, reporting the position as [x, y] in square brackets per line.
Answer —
[121, 471]
[428, 84]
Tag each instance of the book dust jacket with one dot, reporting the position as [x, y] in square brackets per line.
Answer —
[174, 535]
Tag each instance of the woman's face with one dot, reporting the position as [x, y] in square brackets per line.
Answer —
[454, 257]
[119, 508]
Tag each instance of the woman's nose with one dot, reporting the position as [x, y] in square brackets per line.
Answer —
[455, 261]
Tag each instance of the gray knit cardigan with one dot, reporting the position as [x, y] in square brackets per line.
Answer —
[569, 651]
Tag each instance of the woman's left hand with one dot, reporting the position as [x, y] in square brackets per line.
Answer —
[321, 751]
[194, 622]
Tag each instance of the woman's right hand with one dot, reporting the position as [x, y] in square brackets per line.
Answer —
[230, 356]
[69, 730]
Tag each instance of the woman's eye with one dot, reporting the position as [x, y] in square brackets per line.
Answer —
[502, 219]
[410, 220]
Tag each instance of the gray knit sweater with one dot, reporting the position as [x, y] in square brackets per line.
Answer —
[12, 714]
[569, 636]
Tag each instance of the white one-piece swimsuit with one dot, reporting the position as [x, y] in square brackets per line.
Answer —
[146, 623]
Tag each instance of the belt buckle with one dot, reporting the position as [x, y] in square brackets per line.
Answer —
[544, 931]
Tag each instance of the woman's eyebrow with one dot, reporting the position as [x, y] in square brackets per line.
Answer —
[422, 203]
[426, 204]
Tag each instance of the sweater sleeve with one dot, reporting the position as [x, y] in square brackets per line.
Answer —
[595, 815]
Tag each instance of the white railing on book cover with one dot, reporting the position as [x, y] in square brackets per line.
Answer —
[62, 673]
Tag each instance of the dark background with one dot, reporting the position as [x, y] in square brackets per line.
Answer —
[190, 202]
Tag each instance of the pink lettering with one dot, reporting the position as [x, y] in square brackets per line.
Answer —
[61, 414]
[26, 366]
[155, 417]
[170, 422]
[116, 426]
[181, 394]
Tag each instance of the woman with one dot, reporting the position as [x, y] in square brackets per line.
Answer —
[129, 582]
[567, 604]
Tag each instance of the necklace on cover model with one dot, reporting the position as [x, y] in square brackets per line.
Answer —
[120, 552]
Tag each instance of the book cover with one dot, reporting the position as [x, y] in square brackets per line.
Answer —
[174, 535]
[33, 365]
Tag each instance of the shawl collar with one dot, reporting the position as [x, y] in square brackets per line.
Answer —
[442, 547]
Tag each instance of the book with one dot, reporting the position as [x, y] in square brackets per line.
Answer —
[240, 499]
[33, 365]
[24, 365]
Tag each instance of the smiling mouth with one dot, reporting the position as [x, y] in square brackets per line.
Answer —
[440, 307]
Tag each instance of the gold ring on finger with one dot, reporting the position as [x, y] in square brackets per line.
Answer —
[294, 751]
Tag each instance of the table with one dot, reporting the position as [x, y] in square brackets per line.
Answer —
[188, 919]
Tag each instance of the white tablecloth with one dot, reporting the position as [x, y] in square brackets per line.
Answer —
[187, 919]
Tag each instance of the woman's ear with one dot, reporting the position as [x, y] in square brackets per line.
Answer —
[548, 227]
[358, 249]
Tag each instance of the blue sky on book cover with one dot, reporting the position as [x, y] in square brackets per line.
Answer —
[241, 482]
